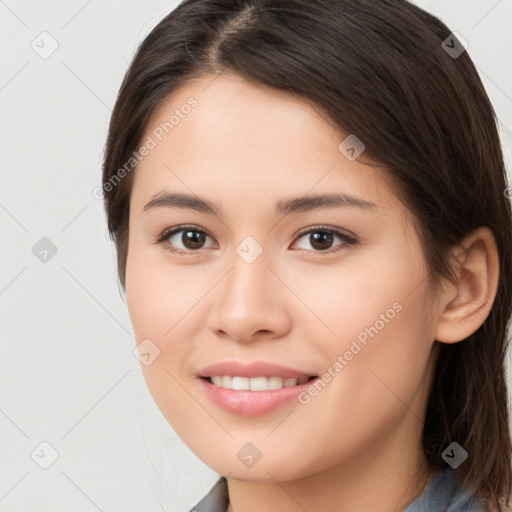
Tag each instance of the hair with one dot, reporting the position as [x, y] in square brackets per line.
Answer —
[377, 70]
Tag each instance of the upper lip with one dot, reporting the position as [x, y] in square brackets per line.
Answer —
[251, 369]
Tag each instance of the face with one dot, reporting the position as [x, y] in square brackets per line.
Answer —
[335, 290]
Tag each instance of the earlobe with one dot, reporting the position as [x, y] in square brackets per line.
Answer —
[467, 302]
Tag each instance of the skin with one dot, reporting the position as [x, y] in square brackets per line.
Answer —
[356, 445]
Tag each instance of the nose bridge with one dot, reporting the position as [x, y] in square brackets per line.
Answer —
[249, 299]
[247, 283]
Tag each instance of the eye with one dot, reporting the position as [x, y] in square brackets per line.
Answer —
[321, 238]
[192, 238]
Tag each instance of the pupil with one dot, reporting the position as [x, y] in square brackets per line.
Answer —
[321, 239]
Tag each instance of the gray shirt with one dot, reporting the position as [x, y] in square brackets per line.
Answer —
[441, 494]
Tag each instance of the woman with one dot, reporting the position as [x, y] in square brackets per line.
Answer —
[308, 201]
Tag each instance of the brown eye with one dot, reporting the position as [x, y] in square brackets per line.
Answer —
[193, 239]
[184, 239]
[321, 239]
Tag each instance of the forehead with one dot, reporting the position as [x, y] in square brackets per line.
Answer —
[245, 140]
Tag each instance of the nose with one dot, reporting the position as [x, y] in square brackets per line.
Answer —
[250, 303]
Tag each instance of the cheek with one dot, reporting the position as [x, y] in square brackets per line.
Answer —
[157, 294]
[159, 300]
[368, 291]
[164, 302]
[385, 341]
[376, 310]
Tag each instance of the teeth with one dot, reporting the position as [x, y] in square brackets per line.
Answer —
[218, 380]
[258, 384]
[240, 383]
[290, 382]
[255, 383]
[275, 383]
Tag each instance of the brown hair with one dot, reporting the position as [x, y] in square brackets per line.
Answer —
[378, 70]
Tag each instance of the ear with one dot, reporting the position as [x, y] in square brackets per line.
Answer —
[466, 303]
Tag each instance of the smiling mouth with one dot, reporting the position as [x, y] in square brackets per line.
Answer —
[238, 383]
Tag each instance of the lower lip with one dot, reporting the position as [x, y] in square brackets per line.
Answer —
[252, 403]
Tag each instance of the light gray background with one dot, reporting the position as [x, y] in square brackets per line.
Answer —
[68, 373]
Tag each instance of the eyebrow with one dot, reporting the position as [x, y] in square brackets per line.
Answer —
[283, 207]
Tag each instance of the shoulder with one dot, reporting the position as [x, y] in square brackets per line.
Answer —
[216, 499]
[443, 492]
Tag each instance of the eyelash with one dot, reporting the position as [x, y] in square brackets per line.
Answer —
[348, 241]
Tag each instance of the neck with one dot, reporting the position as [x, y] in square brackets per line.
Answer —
[387, 477]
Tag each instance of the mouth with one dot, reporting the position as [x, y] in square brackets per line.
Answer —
[253, 396]
[262, 383]
[250, 388]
